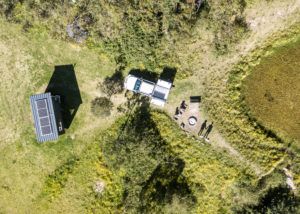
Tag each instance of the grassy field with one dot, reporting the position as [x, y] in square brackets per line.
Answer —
[257, 144]
[272, 91]
[27, 63]
[211, 177]
[211, 52]
[216, 75]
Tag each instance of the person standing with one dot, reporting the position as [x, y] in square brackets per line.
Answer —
[183, 105]
[203, 126]
[209, 129]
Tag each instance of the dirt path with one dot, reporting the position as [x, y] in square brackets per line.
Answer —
[218, 142]
[215, 138]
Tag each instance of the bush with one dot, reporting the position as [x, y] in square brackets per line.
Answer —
[277, 200]
[113, 85]
[101, 106]
[229, 24]
[152, 175]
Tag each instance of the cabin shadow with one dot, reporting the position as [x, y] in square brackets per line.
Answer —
[63, 82]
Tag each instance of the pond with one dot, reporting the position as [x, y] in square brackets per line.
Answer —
[272, 91]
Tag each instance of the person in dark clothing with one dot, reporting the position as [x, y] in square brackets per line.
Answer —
[203, 126]
[209, 129]
[183, 105]
[182, 125]
[177, 111]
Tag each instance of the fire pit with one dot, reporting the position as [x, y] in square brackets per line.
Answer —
[192, 120]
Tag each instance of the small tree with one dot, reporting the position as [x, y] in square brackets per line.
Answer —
[101, 106]
[113, 84]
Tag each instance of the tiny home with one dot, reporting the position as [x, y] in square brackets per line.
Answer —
[47, 117]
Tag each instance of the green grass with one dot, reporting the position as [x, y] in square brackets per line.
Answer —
[139, 34]
[215, 172]
[213, 177]
[59, 177]
[272, 91]
[227, 106]
[135, 154]
[27, 62]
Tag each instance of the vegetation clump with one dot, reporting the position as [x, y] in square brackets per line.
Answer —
[58, 179]
[113, 84]
[101, 106]
[137, 34]
[152, 175]
[278, 199]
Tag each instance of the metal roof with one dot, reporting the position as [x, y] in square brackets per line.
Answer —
[44, 117]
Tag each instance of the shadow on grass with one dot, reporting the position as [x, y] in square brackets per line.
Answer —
[278, 199]
[165, 182]
[168, 74]
[154, 176]
[63, 82]
[144, 74]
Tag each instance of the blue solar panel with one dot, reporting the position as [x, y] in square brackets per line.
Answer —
[43, 112]
[44, 121]
[159, 95]
[41, 103]
[46, 130]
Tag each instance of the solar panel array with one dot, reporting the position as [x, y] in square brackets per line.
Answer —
[44, 117]
[159, 95]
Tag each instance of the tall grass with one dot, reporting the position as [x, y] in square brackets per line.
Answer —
[255, 142]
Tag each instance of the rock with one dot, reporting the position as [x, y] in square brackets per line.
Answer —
[289, 179]
[99, 187]
[76, 32]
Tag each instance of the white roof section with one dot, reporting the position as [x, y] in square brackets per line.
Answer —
[164, 84]
[158, 102]
[147, 88]
[130, 82]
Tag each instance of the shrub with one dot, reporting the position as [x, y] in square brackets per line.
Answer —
[101, 106]
[113, 84]
[277, 200]
[152, 175]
